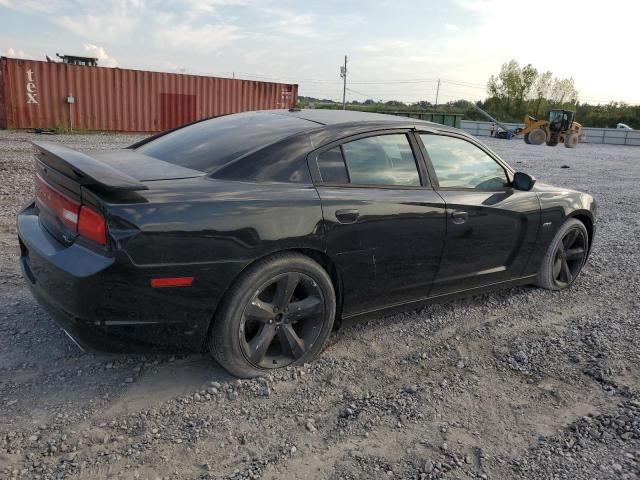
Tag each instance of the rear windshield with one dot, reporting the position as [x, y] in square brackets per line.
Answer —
[211, 144]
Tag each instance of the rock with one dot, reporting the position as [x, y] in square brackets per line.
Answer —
[428, 466]
[197, 397]
[311, 427]
[346, 412]
[293, 449]
[411, 388]
[212, 391]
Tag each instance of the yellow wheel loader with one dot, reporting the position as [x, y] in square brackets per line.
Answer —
[560, 128]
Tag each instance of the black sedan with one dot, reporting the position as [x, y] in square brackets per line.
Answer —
[251, 235]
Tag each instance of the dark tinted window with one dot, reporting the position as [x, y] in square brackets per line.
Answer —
[332, 167]
[460, 164]
[381, 160]
[284, 161]
[209, 145]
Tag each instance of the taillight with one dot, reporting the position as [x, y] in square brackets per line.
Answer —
[91, 225]
[65, 208]
[76, 217]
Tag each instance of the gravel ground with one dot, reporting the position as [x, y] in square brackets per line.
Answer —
[523, 383]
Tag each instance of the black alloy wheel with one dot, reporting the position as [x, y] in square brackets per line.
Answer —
[569, 258]
[565, 257]
[278, 312]
[282, 320]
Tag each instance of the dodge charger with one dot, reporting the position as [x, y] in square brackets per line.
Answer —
[250, 236]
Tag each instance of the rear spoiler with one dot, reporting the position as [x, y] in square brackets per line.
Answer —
[85, 170]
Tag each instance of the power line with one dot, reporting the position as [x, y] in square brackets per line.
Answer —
[366, 95]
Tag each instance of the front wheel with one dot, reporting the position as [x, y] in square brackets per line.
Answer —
[571, 140]
[280, 312]
[565, 257]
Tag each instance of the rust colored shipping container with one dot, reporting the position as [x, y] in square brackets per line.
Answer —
[37, 94]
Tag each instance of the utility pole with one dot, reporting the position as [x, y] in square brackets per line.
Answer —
[437, 92]
[343, 75]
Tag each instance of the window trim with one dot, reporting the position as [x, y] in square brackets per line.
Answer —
[509, 172]
[423, 174]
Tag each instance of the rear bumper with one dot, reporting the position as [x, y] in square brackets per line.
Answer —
[106, 303]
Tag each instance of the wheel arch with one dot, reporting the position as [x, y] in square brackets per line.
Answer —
[315, 254]
[587, 219]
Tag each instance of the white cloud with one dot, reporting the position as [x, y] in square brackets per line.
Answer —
[385, 46]
[210, 5]
[204, 38]
[31, 5]
[291, 22]
[451, 27]
[104, 59]
[105, 28]
[10, 52]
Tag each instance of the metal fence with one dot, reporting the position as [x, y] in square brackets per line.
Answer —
[610, 136]
[450, 119]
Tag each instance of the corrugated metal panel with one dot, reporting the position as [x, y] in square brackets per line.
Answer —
[124, 100]
[3, 110]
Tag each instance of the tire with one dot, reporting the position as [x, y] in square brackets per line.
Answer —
[260, 327]
[526, 138]
[565, 256]
[571, 140]
[552, 143]
[537, 136]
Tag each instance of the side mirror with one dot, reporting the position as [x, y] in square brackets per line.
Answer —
[523, 181]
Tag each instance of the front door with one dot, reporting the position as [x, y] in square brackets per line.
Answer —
[384, 226]
[491, 227]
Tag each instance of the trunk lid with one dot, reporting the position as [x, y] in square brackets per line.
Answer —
[69, 182]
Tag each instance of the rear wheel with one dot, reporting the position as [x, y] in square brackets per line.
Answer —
[571, 140]
[526, 138]
[537, 136]
[280, 312]
[565, 257]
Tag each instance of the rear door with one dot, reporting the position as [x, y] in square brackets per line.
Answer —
[491, 227]
[384, 224]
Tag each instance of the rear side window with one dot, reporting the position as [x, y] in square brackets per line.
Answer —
[381, 160]
[212, 144]
[332, 168]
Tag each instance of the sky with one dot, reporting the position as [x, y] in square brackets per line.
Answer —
[396, 49]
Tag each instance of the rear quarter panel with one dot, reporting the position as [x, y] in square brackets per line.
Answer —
[212, 230]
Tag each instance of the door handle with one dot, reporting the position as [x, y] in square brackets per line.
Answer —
[459, 217]
[347, 215]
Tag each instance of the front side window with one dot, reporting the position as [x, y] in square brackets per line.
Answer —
[460, 164]
[381, 160]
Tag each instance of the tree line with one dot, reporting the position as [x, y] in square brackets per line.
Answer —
[514, 92]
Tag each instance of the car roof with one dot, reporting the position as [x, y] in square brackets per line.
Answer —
[329, 117]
